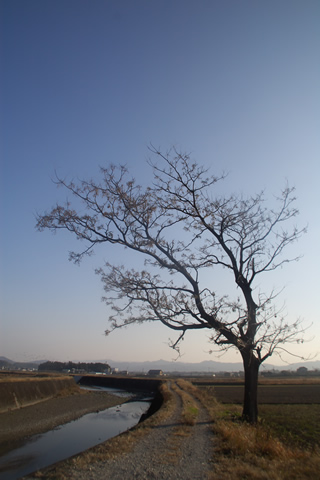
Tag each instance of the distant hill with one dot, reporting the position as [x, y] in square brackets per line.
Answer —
[207, 366]
[7, 363]
[312, 365]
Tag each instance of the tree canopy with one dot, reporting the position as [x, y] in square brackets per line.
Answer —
[182, 229]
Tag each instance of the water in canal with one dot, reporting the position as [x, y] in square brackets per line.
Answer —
[67, 440]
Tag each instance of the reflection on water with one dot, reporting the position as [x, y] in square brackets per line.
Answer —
[70, 439]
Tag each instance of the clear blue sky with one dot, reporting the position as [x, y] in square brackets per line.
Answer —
[86, 83]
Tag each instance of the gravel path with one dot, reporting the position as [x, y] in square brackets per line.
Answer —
[171, 451]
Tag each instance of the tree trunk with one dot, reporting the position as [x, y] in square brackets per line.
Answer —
[250, 403]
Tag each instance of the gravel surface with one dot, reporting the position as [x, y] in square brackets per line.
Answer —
[162, 454]
[170, 451]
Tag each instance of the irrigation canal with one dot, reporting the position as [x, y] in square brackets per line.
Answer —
[74, 437]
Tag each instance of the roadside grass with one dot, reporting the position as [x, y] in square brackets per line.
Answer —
[185, 422]
[262, 452]
[190, 409]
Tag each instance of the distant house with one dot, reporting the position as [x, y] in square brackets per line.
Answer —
[302, 371]
[155, 373]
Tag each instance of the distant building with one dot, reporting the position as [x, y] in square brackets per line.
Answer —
[302, 371]
[155, 373]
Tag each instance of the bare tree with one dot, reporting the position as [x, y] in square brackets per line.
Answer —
[183, 231]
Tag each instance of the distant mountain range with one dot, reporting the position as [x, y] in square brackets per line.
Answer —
[206, 366]
[7, 363]
[176, 366]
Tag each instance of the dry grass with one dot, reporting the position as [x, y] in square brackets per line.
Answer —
[190, 409]
[252, 452]
[32, 377]
[186, 420]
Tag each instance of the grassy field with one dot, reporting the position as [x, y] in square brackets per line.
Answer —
[297, 425]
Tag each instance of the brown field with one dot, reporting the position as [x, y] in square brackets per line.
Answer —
[271, 394]
[270, 391]
[288, 409]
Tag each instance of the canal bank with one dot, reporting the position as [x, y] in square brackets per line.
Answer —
[18, 424]
[130, 384]
[18, 392]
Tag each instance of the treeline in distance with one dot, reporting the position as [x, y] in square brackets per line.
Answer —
[74, 367]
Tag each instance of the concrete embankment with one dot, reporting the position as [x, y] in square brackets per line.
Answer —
[137, 384]
[149, 386]
[20, 392]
